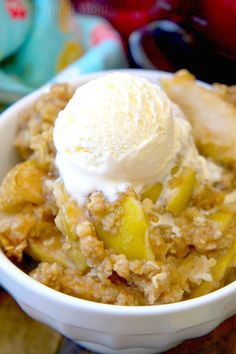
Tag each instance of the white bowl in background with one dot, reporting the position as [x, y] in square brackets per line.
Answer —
[100, 327]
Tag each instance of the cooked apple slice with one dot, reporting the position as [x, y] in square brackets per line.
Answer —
[51, 250]
[182, 192]
[222, 217]
[75, 254]
[70, 214]
[21, 185]
[152, 192]
[132, 237]
[218, 273]
[213, 118]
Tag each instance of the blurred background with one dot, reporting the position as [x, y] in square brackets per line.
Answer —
[199, 35]
[45, 40]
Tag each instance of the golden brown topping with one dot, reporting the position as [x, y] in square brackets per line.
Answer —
[23, 184]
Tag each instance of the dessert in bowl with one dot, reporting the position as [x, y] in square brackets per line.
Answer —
[115, 204]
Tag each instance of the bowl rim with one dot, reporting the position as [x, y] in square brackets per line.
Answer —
[25, 281]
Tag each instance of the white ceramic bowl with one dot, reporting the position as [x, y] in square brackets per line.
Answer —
[99, 327]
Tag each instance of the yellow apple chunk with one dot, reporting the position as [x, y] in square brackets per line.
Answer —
[182, 192]
[70, 214]
[132, 237]
[218, 272]
[51, 250]
[222, 217]
[68, 217]
[152, 192]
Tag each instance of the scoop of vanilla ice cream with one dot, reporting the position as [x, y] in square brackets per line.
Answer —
[118, 130]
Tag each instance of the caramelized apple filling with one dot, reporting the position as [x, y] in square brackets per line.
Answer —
[170, 242]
